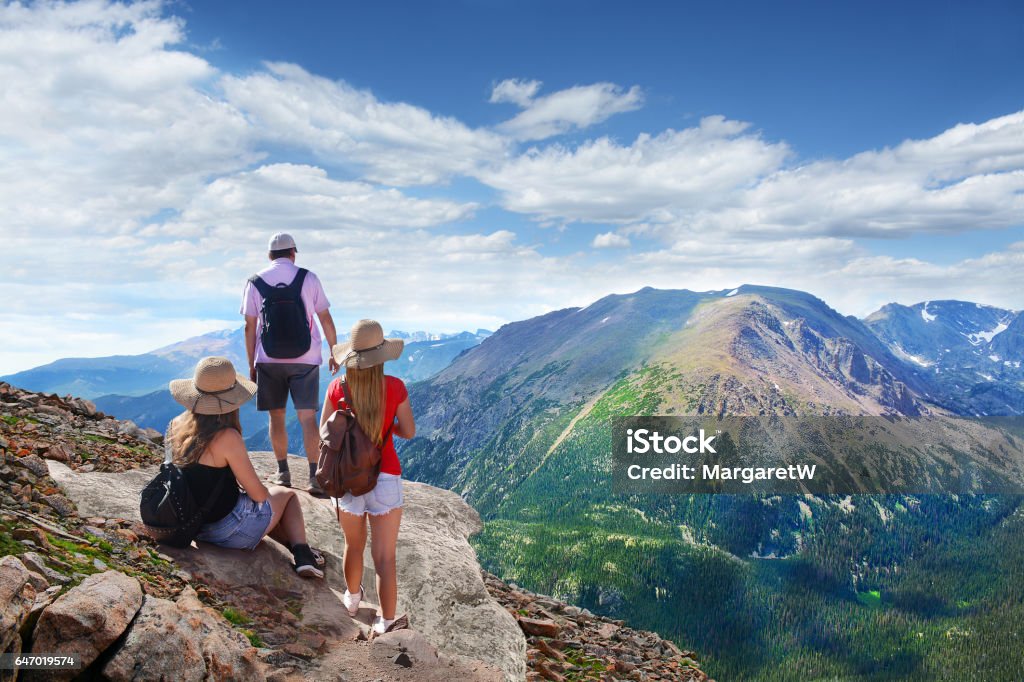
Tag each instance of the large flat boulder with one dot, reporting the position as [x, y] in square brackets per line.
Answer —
[439, 580]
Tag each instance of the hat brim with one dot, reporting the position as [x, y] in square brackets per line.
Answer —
[343, 354]
[186, 394]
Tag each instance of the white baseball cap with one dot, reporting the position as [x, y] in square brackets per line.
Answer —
[280, 241]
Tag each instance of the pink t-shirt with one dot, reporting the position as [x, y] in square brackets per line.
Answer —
[283, 271]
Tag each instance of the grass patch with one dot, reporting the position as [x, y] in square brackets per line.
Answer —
[253, 638]
[871, 598]
[102, 544]
[10, 419]
[155, 559]
[8, 545]
[592, 667]
[235, 617]
[72, 547]
[98, 439]
[294, 606]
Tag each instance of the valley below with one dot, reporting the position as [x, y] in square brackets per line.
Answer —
[767, 587]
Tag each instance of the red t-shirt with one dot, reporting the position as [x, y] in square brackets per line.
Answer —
[395, 394]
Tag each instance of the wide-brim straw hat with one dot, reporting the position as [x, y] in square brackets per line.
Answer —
[216, 388]
[367, 347]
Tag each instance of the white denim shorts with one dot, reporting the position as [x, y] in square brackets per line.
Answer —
[384, 497]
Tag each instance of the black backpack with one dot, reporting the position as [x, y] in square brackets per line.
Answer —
[168, 510]
[283, 317]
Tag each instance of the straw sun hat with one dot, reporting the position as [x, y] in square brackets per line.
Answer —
[367, 347]
[215, 389]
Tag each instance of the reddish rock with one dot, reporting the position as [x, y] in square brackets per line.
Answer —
[539, 628]
[34, 534]
[298, 650]
[546, 671]
[59, 452]
[549, 651]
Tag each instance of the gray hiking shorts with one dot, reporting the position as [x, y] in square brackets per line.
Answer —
[275, 380]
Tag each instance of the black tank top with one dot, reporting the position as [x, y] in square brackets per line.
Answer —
[202, 481]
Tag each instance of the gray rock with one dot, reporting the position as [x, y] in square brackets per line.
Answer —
[60, 504]
[83, 407]
[160, 645]
[16, 598]
[43, 599]
[88, 618]
[409, 643]
[182, 640]
[38, 582]
[130, 428]
[35, 464]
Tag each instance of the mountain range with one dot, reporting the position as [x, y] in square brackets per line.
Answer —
[864, 587]
[135, 386]
[967, 355]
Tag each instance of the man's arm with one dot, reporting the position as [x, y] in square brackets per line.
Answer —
[250, 344]
[330, 333]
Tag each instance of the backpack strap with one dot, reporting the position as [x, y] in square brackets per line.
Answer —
[300, 277]
[261, 286]
[168, 452]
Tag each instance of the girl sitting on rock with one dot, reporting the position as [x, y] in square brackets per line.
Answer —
[377, 400]
[206, 444]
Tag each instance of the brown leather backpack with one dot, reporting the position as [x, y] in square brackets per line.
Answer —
[349, 459]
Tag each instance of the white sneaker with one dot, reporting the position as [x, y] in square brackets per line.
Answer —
[351, 601]
[381, 625]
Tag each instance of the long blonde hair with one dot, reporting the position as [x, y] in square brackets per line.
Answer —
[366, 389]
[192, 433]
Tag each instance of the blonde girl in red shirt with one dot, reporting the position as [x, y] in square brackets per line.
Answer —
[381, 406]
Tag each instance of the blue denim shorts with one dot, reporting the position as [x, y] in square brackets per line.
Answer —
[242, 528]
[385, 496]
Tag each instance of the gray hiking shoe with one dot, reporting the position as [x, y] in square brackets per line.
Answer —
[282, 478]
[314, 488]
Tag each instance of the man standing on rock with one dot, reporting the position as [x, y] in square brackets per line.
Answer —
[284, 348]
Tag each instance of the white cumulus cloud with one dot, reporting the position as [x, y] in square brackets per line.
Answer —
[515, 90]
[703, 167]
[393, 143]
[610, 240]
[574, 108]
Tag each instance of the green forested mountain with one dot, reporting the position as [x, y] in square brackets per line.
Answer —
[776, 588]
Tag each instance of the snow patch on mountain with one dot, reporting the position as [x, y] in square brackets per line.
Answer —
[925, 315]
[916, 359]
[989, 335]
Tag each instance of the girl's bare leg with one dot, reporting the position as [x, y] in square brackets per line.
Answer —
[383, 541]
[354, 528]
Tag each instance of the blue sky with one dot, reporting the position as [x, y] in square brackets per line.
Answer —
[457, 165]
[831, 78]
